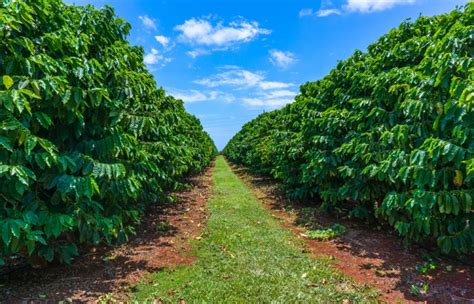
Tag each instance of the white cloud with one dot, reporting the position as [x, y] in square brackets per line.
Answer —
[280, 94]
[328, 12]
[163, 40]
[263, 102]
[202, 32]
[154, 57]
[326, 9]
[236, 77]
[282, 59]
[221, 96]
[271, 100]
[199, 96]
[233, 76]
[190, 96]
[251, 89]
[367, 6]
[147, 22]
[197, 52]
[271, 85]
[353, 6]
[305, 12]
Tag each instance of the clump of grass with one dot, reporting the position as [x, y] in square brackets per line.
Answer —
[428, 266]
[326, 234]
[107, 299]
[419, 289]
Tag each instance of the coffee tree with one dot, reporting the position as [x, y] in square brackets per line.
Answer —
[390, 130]
[87, 140]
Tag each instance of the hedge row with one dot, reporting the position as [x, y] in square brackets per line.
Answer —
[391, 129]
[87, 140]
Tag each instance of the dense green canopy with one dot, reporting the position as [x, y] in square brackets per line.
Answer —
[86, 137]
[391, 129]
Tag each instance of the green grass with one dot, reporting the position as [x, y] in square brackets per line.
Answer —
[246, 257]
[328, 233]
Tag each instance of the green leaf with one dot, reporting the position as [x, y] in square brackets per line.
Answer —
[49, 254]
[7, 81]
[15, 228]
[30, 217]
[30, 246]
[30, 144]
[20, 188]
[43, 119]
[66, 97]
[5, 143]
[29, 93]
[46, 145]
[53, 226]
[18, 100]
[446, 245]
[6, 100]
[6, 235]
[39, 238]
[467, 202]
[458, 179]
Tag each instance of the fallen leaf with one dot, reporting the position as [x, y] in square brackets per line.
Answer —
[380, 273]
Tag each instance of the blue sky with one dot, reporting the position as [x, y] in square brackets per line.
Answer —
[231, 60]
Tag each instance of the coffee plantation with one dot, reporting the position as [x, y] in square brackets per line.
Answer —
[389, 130]
[87, 140]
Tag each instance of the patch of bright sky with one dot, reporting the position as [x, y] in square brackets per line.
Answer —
[231, 60]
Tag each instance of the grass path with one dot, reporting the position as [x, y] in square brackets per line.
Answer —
[244, 256]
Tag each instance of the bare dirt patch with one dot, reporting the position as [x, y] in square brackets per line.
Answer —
[162, 241]
[374, 257]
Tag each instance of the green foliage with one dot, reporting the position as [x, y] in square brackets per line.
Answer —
[419, 289]
[325, 234]
[391, 128]
[87, 140]
[428, 266]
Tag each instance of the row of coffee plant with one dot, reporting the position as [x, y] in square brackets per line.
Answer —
[87, 140]
[389, 131]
